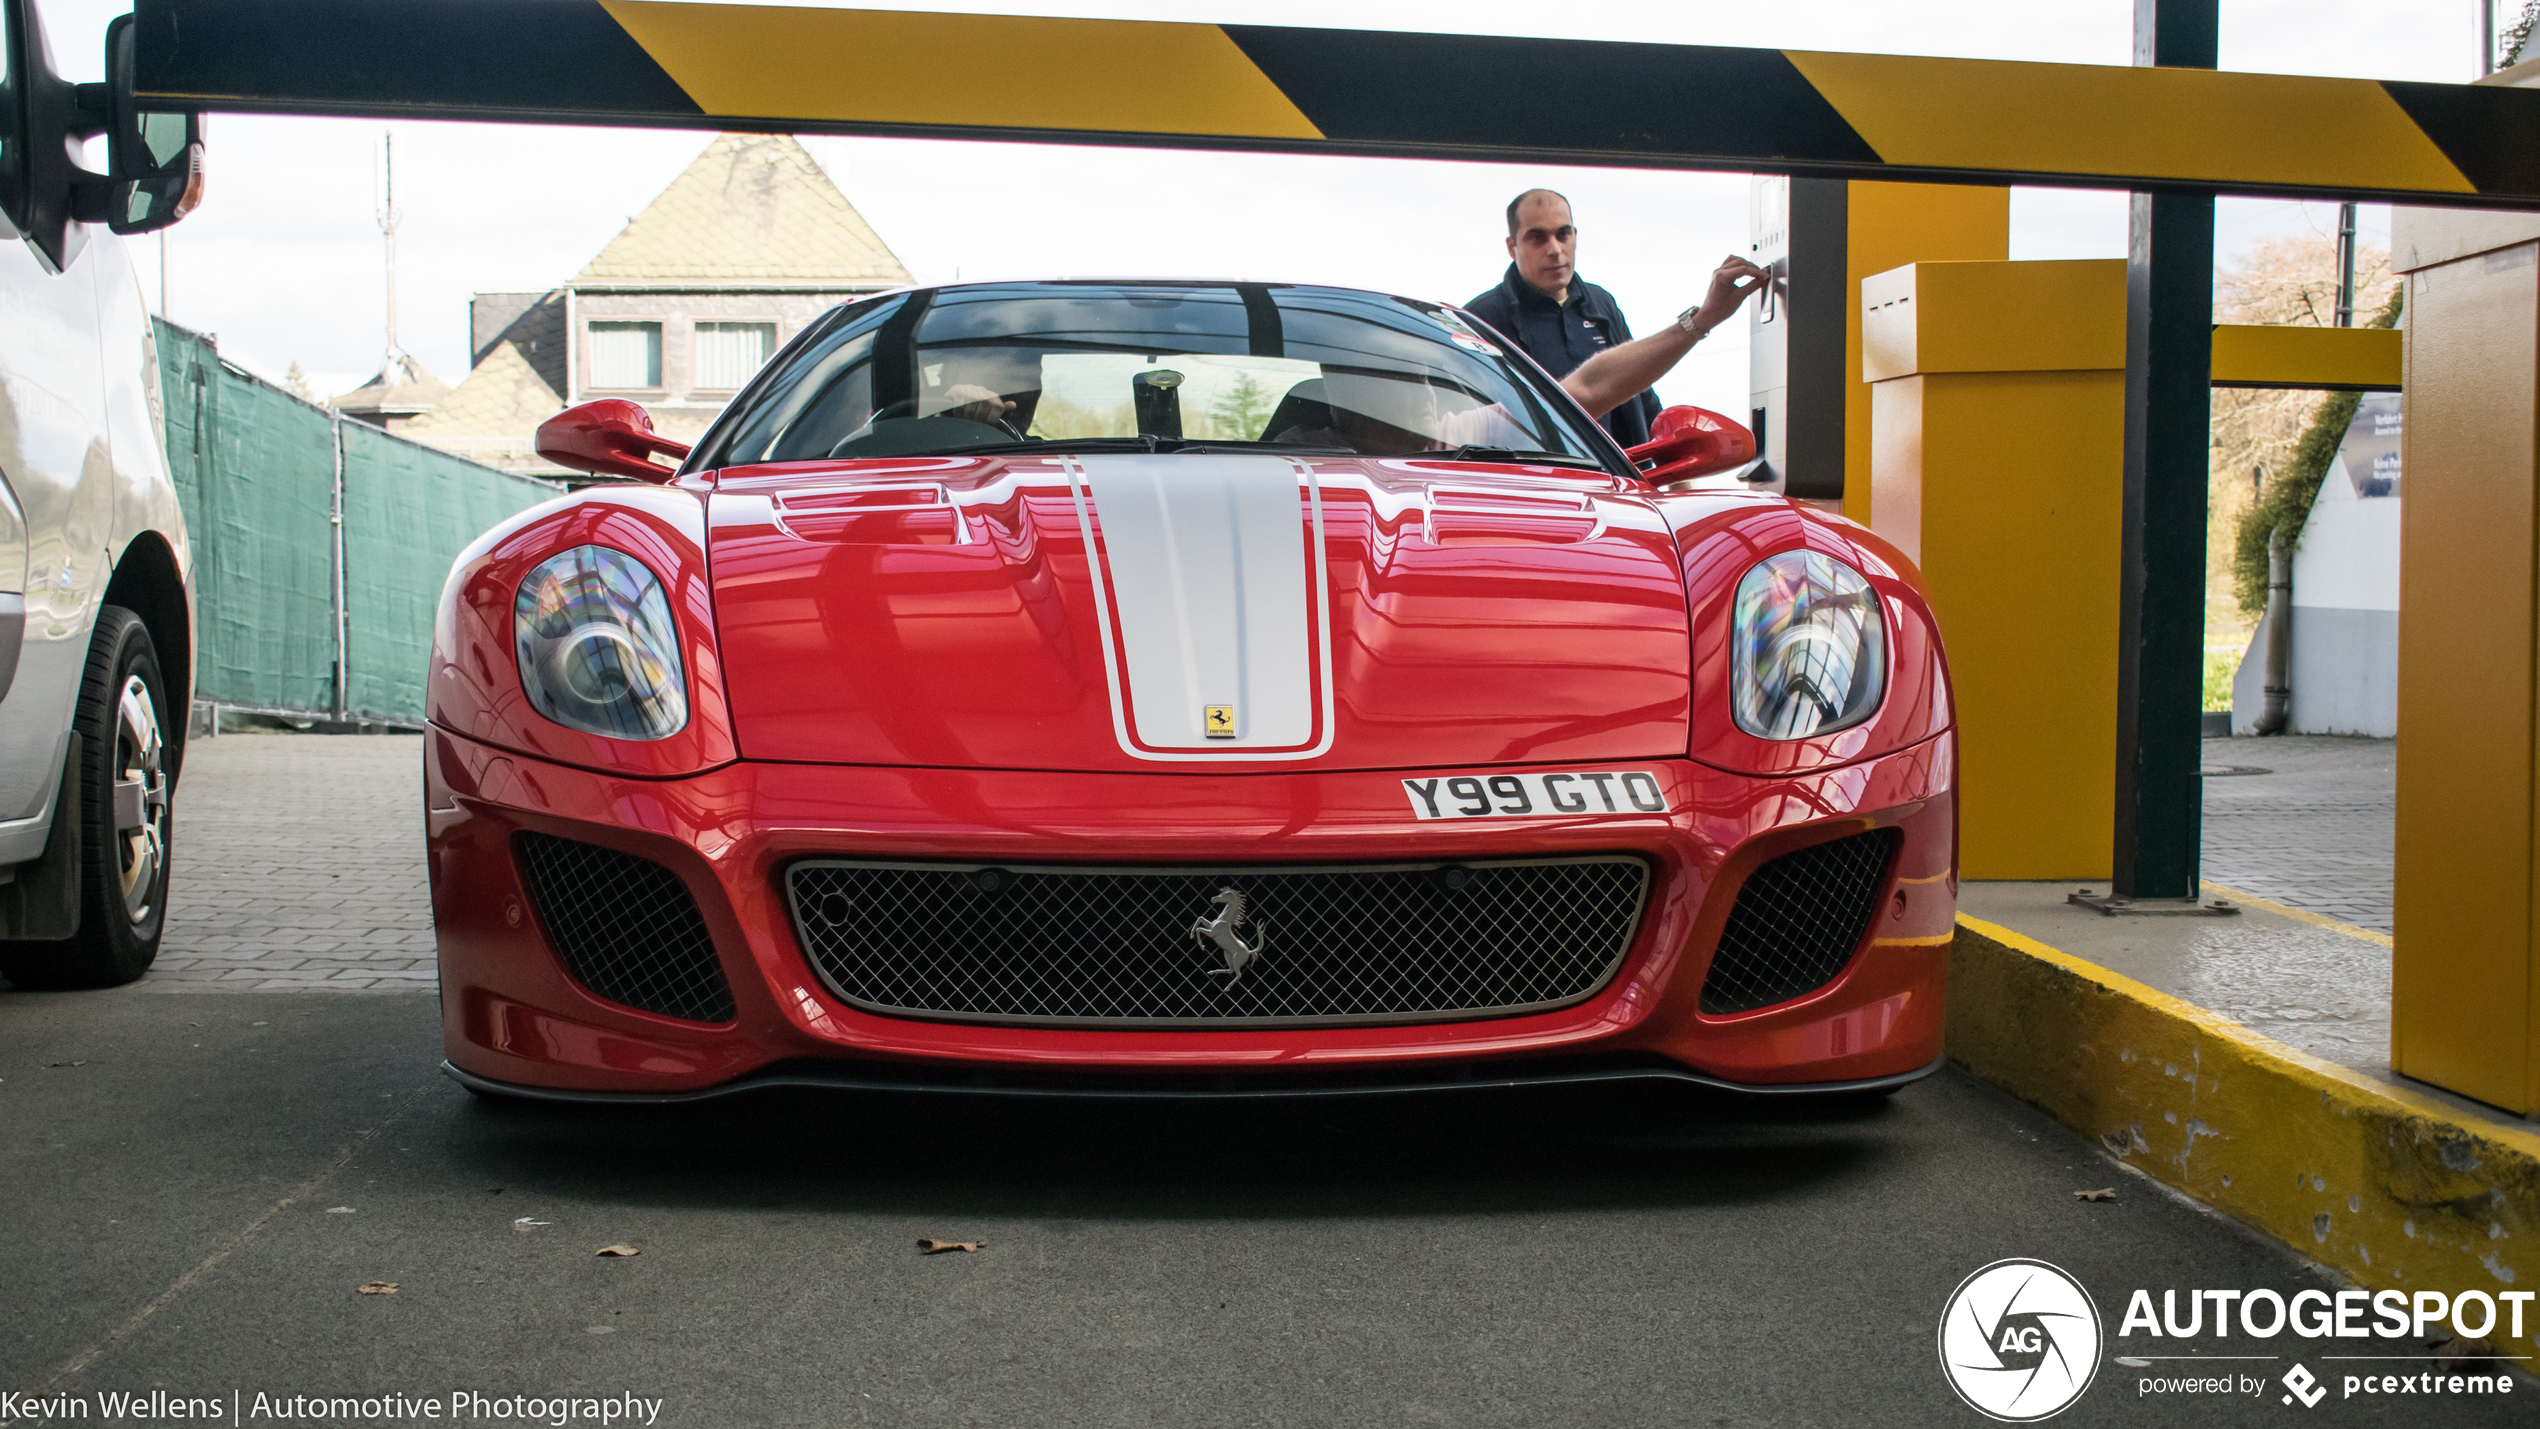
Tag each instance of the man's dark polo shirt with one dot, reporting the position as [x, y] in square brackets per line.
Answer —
[1560, 336]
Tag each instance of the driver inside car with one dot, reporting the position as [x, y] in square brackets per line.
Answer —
[974, 403]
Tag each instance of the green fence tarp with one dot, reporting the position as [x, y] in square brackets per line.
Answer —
[255, 472]
[408, 512]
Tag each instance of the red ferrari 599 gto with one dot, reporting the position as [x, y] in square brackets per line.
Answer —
[1180, 686]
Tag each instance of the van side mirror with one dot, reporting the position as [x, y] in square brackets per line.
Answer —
[609, 437]
[1686, 442]
[154, 171]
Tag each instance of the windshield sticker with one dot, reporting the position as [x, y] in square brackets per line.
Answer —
[1462, 335]
[1590, 793]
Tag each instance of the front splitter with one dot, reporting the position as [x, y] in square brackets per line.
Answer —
[1182, 1089]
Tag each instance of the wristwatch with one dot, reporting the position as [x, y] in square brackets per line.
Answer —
[1685, 320]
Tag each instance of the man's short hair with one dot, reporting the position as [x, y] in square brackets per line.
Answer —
[1515, 203]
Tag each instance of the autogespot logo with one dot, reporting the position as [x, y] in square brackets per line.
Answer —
[2019, 1340]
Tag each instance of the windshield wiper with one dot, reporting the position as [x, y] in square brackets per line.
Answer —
[1147, 442]
[1139, 443]
[1474, 451]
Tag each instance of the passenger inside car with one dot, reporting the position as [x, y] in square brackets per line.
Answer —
[1405, 414]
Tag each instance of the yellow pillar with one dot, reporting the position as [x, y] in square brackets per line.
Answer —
[1887, 226]
[2462, 989]
[1997, 436]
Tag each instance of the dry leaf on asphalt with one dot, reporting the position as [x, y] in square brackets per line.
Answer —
[2104, 1193]
[938, 1247]
[378, 1287]
[82, 1062]
[618, 1250]
[2461, 1348]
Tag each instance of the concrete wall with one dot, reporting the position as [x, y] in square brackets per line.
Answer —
[2345, 657]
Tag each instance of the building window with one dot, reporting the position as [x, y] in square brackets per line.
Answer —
[625, 355]
[727, 353]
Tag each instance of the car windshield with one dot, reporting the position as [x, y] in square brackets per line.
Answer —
[1156, 367]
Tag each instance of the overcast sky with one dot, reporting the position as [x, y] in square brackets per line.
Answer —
[284, 261]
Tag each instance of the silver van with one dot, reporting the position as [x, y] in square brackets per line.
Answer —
[96, 583]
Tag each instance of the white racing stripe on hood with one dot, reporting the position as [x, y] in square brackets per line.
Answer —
[1205, 557]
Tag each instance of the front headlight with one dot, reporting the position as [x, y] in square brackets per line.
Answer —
[1811, 652]
[598, 649]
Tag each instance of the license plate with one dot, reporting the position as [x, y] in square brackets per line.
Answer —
[1584, 794]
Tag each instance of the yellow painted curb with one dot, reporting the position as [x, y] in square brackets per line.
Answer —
[2384, 1184]
[2298, 915]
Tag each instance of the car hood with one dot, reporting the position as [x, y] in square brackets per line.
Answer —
[1244, 611]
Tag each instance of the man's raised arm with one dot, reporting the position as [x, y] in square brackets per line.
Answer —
[1618, 374]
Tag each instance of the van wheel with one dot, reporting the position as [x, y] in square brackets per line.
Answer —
[125, 792]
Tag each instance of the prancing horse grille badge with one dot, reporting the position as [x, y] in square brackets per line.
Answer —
[1224, 932]
[1217, 721]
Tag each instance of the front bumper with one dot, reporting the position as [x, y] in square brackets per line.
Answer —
[514, 1021]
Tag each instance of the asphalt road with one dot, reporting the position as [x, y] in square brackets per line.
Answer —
[193, 1187]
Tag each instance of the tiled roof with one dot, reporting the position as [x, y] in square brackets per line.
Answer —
[403, 385]
[753, 210]
[503, 397]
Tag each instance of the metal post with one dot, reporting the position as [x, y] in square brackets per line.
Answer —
[2161, 598]
[572, 351]
[1797, 333]
[343, 693]
[2345, 265]
[389, 216]
[2277, 710]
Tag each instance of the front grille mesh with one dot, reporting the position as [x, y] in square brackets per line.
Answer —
[1115, 946]
[1798, 921]
[626, 928]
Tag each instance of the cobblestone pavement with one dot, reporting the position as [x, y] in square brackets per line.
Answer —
[2314, 831]
[298, 865]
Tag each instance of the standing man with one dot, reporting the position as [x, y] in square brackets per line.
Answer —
[1561, 322]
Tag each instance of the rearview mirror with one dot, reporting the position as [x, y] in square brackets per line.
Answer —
[1686, 442]
[610, 437]
[154, 157]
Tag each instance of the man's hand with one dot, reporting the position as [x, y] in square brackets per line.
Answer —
[973, 403]
[1731, 282]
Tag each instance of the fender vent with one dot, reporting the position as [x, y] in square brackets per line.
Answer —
[1798, 921]
[625, 927]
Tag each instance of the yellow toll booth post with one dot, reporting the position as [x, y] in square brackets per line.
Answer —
[1997, 396]
[2464, 998]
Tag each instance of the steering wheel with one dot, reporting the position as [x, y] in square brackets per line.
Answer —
[906, 407]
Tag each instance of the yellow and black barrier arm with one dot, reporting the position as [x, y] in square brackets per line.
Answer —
[657, 62]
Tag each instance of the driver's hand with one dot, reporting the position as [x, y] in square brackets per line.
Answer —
[973, 403]
[1730, 284]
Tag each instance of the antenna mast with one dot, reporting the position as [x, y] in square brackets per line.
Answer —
[389, 214]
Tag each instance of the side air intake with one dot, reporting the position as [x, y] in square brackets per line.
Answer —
[625, 927]
[1798, 921]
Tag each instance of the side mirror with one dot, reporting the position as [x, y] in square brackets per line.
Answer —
[154, 156]
[1686, 442]
[610, 437]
